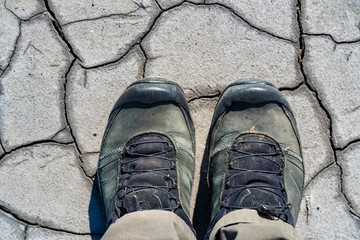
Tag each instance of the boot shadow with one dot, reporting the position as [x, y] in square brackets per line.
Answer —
[97, 219]
[202, 210]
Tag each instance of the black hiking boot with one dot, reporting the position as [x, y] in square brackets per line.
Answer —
[255, 156]
[147, 154]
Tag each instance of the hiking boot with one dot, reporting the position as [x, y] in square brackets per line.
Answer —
[255, 155]
[147, 154]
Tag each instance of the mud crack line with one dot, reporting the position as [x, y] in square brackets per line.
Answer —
[321, 104]
[24, 221]
[58, 29]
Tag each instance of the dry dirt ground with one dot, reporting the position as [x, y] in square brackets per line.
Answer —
[63, 64]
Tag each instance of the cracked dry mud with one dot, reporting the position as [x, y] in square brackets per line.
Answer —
[63, 64]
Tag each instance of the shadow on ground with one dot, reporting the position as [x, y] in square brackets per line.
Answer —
[202, 211]
[97, 219]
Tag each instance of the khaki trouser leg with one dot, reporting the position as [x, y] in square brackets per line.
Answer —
[151, 224]
[159, 224]
[247, 224]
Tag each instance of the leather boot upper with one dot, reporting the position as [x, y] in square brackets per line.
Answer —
[254, 110]
[149, 140]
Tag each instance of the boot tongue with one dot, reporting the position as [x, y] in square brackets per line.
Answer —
[150, 151]
[256, 143]
[249, 153]
[149, 144]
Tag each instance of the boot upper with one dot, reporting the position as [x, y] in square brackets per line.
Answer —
[246, 108]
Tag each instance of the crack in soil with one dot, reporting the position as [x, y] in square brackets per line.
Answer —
[318, 173]
[102, 17]
[26, 222]
[321, 104]
[145, 62]
[291, 88]
[68, 125]
[159, 6]
[209, 96]
[25, 231]
[348, 202]
[132, 45]
[67, 122]
[348, 145]
[2, 150]
[248, 22]
[33, 144]
[331, 37]
[111, 62]
[58, 29]
[11, 11]
[61, 130]
[22, 19]
[8, 66]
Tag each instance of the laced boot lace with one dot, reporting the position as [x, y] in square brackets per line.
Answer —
[255, 178]
[148, 176]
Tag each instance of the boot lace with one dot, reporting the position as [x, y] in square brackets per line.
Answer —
[236, 189]
[128, 192]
